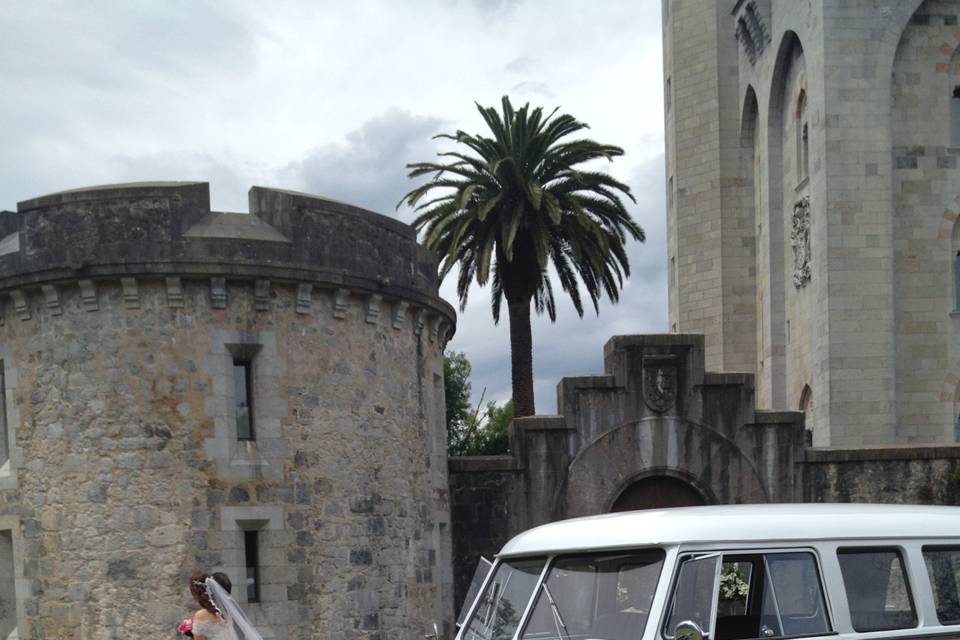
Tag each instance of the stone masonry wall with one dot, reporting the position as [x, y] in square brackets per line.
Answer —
[902, 474]
[483, 493]
[125, 482]
[120, 501]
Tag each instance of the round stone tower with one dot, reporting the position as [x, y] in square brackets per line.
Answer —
[259, 394]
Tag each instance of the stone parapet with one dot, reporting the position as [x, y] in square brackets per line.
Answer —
[166, 230]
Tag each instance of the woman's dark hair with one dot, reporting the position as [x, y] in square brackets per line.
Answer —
[198, 588]
[223, 580]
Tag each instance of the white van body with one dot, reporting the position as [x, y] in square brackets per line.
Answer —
[737, 572]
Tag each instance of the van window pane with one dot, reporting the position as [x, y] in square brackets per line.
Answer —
[773, 595]
[694, 593]
[504, 600]
[795, 583]
[479, 575]
[598, 596]
[877, 590]
[943, 568]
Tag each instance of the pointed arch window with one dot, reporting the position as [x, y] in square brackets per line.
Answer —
[806, 407]
[803, 139]
[955, 254]
[955, 117]
[956, 281]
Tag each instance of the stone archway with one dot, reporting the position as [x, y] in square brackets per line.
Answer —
[693, 453]
[657, 492]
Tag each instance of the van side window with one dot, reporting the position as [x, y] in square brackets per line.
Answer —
[769, 595]
[877, 590]
[694, 594]
[943, 568]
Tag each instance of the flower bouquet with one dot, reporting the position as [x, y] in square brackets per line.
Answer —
[185, 628]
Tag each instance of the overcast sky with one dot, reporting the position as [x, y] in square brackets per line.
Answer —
[334, 98]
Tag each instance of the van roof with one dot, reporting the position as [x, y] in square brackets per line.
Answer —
[738, 523]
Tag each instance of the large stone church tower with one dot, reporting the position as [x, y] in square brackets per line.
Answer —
[813, 193]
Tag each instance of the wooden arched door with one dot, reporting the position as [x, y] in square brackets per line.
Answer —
[658, 492]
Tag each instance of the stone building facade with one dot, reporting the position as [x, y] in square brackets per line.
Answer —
[255, 393]
[656, 429]
[812, 206]
[814, 283]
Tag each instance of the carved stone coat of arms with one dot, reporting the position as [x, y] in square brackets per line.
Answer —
[659, 386]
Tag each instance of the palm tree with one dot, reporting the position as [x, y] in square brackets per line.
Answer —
[513, 204]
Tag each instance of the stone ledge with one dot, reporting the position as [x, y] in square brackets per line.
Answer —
[482, 464]
[542, 423]
[589, 381]
[764, 417]
[882, 453]
[726, 379]
[655, 340]
[433, 314]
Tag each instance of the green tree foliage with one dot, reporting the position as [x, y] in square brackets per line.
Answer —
[456, 387]
[489, 434]
[472, 432]
[506, 206]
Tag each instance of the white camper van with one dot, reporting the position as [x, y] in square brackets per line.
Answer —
[726, 573]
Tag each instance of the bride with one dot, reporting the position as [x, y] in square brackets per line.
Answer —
[219, 616]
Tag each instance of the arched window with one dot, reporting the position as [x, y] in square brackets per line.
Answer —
[955, 117]
[806, 406]
[803, 138]
[956, 280]
[956, 414]
[955, 254]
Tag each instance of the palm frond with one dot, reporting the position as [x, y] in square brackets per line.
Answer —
[507, 204]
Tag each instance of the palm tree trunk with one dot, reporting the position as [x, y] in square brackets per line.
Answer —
[521, 358]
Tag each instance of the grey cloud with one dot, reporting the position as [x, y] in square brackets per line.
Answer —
[532, 88]
[108, 46]
[521, 64]
[369, 168]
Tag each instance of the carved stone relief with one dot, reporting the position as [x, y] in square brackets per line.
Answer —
[800, 242]
[659, 385]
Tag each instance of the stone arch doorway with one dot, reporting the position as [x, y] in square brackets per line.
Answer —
[656, 447]
[657, 492]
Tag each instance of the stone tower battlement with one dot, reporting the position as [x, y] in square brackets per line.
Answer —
[166, 230]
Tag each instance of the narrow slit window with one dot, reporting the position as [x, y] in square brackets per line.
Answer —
[803, 139]
[955, 117]
[251, 540]
[243, 398]
[956, 284]
[805, 149]
[8, 587]
[4, 444]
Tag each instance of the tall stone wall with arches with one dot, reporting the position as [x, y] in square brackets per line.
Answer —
[926, 180]
[846, 132]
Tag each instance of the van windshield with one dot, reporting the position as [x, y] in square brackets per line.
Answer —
[595, 596]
